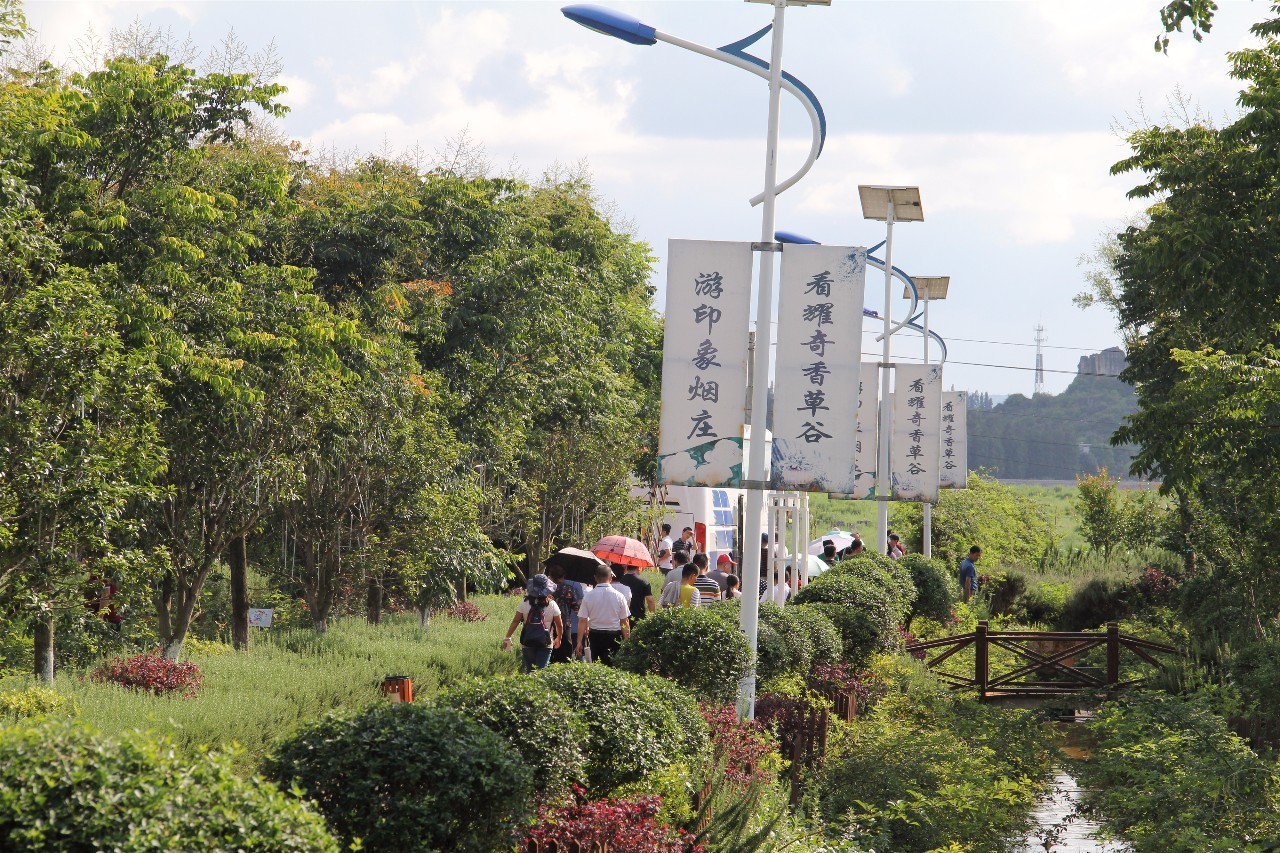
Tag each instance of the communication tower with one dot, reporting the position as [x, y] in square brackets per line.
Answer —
[1040, 340]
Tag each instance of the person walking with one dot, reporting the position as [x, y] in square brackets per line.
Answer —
[541, 627]
[568, 597]
[670, 596]
[603, 619]
[687, 595]
[708, 589]
[896, 548]
[685, 543]
[829, 555]
[969, 573]
[732, 588]
[641, 594]
[720, 574]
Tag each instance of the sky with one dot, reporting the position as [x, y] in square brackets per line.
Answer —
[1008, 115]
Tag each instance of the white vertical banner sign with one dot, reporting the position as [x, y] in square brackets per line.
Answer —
[816, 375]
[954, 467]
[868, 423]
[917, 422]
[864, 451]
[704, 363]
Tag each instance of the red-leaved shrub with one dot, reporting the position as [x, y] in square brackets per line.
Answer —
[739, 745]
[150, 672]
[466, 611]
[618, 825]
[830, 678]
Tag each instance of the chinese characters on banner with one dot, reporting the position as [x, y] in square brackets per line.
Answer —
[917, 422]
[954, 469]
[864, 452]
[815, 407]
[704, 363]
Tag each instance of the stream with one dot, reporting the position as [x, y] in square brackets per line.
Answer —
[1059, 829]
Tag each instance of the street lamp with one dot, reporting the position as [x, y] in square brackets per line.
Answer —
[633, 31]
[928, 288]
[888, 204]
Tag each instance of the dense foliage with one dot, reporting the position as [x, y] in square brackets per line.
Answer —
[1011, 528]
[926, 769]
[617, 824]
[703, 653]
[152, 673]
[630, 734]
[867, 598]
[536, 723]
[408, 776]
[1169, 775]
[65, 787]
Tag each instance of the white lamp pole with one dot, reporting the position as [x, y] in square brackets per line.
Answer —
[628, 29]
[889, 204]
[929, 288]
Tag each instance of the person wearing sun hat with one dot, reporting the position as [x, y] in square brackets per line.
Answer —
[720, 574]
[540, 623]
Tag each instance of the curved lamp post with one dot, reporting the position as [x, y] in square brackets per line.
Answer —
[633, 31]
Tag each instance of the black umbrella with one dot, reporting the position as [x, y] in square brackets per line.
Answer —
[578, 565]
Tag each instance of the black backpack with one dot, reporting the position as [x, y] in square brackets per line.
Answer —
[536, 632]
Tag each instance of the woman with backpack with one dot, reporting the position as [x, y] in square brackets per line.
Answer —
[541, 627]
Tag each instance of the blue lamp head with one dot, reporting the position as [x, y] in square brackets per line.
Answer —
[611, 23]
[793, 237]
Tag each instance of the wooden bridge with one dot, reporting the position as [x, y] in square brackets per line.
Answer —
[1045, 662]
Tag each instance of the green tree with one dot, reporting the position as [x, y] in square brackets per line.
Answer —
[1103, 520]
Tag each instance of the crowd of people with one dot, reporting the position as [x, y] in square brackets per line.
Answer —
[560, 619]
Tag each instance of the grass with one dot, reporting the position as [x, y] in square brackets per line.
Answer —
[290, 677]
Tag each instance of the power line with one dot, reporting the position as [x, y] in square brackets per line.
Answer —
[1088, 445]
[949, 338]
[1001, 366]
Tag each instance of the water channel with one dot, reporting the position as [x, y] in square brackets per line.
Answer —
[1060, 829]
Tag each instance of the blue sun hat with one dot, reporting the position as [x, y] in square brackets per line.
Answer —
[540, 586]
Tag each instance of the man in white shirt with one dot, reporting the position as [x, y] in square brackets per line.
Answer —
[664, 549]
[604, 618]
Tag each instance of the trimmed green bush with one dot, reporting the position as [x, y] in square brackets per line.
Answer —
[937, 588]
[1042, 604]
[1002, 589]
[630, 732]
[703, 653]
[795, 636]
[695, 740]
[64, 786]
[870, 600]
[535, 722]
[402, 776]
[861, 636]
[824, 637]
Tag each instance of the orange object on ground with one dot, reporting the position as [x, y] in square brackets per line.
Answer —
[399, 688]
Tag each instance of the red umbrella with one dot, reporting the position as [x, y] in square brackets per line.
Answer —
[624, 550]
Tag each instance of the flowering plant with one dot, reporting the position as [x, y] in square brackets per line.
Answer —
[740, 745]
[152, 673]
[616, 824]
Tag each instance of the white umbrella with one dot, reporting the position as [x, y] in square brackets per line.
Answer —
[840, 538]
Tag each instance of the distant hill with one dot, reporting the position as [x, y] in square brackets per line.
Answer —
[1053, 436]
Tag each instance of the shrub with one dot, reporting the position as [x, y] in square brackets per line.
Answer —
[701, 652]
[399, 772]
[1002, 589]
[694, 738]
[465, 611]
[936, 587]
[878, 572]
[824, 638]
[618, 825]
[1042, 604]
[35, 702]
[866, 687]
[630, 734]
[67, 787]
[535, 722]
[1099, 601]
[795, 638]
[740, 745]
[862, 585]
[151, 672]
[1167, 774]
[1156, 587]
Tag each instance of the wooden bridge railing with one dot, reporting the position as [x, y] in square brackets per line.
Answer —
[1047, 657]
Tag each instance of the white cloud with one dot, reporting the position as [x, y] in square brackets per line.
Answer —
[300, 90]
